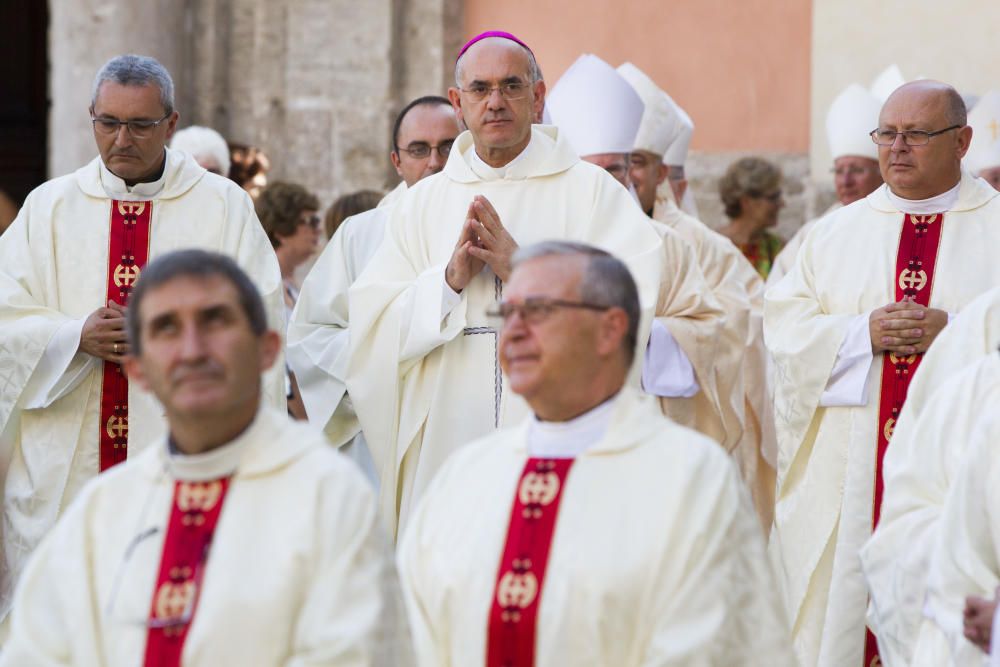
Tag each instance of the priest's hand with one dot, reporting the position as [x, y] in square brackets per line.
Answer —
[905, 328]
[978, 620]
[463, 265]
[496, 246]
[103, 334]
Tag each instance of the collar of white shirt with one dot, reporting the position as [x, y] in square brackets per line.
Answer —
[936, 204]
[569, 439]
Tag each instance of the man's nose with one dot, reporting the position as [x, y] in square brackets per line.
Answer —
[436, 160]
[123, 137]
[495, 100]
[192, 344]
[899, 143]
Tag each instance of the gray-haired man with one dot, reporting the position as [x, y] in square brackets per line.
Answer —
[67, 266]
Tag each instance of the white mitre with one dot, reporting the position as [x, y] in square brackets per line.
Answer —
[984, 153]
[852, 116]
[198, 141]
[888, 81]
[595, 109]
[676, 155]
[661, 124]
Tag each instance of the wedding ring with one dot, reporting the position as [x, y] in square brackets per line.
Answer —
[116, 348]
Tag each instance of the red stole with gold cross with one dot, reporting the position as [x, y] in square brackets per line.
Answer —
[913, 279]
[128, 251]
[194, 514]
[514, 613]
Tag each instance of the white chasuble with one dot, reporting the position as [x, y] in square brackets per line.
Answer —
[944, 401]
[785, 260]
[849, 265]
[424, 377]
[297, 573]
[318, 339]
[740, 362]
[966, 551]
[54, 272]
[655, 558]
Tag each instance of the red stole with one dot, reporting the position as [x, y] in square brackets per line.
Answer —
[193, 517]
[514, 613]
[914, 278]
[128, 251]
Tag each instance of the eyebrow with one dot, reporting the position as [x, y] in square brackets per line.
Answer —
[509, 79]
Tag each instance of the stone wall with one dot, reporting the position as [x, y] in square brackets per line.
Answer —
[315, 83]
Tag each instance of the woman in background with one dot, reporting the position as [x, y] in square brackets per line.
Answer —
[751, 194]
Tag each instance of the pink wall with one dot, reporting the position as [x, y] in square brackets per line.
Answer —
[739, 67]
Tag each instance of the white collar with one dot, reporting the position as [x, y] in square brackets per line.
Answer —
[213, 464]
[488, 173]
[936, 204]
[568, 439]
[116, 188]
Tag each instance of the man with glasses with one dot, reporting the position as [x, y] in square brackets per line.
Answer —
[67, 267]
[855, 163]
[238, 539]
[595, 532]
[318, 343]
[423, 374]
[872, 287]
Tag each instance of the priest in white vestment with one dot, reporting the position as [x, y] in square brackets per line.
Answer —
[242, 538]
[423, 374]
[983, 158]
[964, 571]
[67, 265]
[872, 286]
[600, 115]
[852, 115]
[318, 342]
[740, 363]
[596, 532]
[927, 445]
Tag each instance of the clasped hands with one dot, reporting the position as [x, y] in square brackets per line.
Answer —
[483, 241]
[103, 334]
[905, 327]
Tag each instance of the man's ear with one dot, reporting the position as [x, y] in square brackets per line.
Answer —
[661, 173]
[964, 140]
[455, 97]
[614, 327]
[394, 156]
[133, 367]
[679, 187]
[538, 106]
[270, 347]
[172, 124]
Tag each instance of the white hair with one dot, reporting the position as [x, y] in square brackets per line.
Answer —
[197, 141]
[133, 70]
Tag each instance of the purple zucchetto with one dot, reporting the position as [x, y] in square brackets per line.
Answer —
[492, 33]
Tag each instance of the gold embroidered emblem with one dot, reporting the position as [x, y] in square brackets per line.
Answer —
[902, 360]
[126, 275]
[173, 599]
[924, 219]
[198, 496]
[516, 590]
[889, 428]
[117, 427]
[912, 279]
[130, 208]
[538, 488]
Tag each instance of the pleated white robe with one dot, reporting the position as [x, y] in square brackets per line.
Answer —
[423, 386]
[299, 572]
[966, 557]
[826, 455]
[656, 559]
[920, 466]
[53, 269]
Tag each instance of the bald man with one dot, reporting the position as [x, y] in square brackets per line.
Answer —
[872, 287]
[423, 371]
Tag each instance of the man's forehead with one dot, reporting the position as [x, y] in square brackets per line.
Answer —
[189, 292]
[548, 275]
[112, 92]
[494, 58]
[426, 121]
[912, 106]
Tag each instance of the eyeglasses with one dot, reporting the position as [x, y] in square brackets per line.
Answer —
[853, 170]
[139, 129]
[420, 150]
[313, 221]
[512, 90]
[884, 137]
[536, 310]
